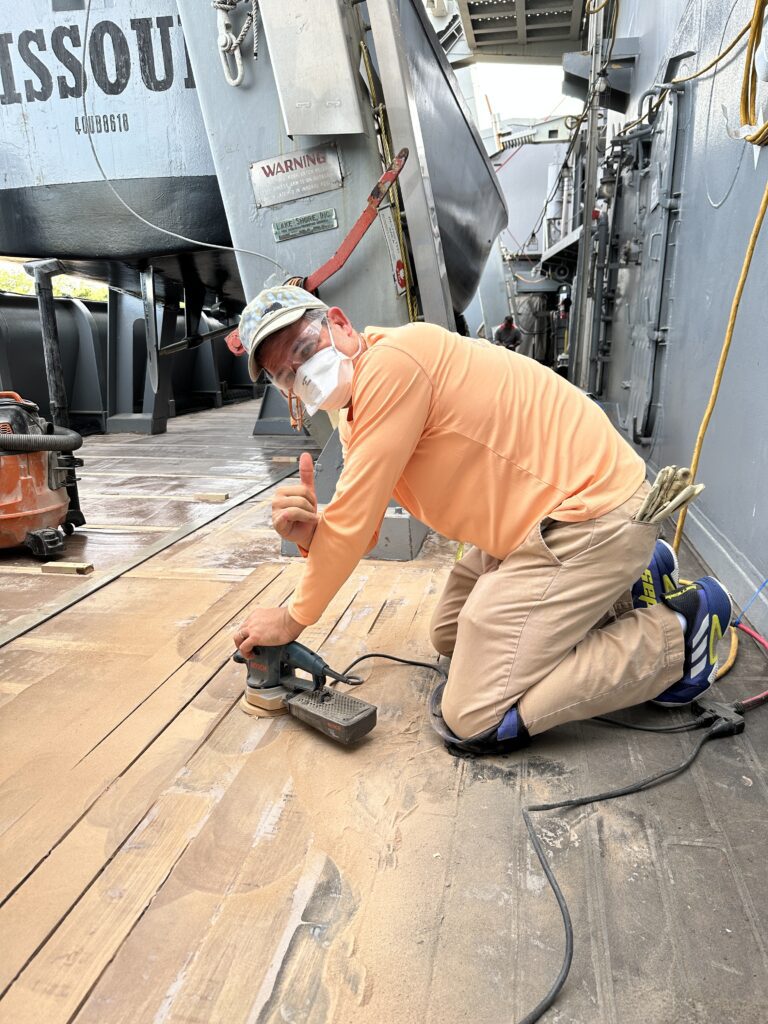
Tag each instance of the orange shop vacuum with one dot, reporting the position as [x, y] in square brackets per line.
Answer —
[38, 486]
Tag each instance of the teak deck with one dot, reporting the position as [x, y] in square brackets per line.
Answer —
[167, 858]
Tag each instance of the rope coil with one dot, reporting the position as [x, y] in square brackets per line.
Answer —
[379, 113]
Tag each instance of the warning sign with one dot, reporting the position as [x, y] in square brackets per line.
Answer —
[306, 172]
[387, 221]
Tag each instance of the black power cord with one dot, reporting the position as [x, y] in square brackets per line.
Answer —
[719, 719]
[681, 727]
[720, 727]
[356, 680]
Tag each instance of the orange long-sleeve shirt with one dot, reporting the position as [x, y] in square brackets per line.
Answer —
[479, 443]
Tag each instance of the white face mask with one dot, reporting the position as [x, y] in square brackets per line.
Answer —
[325, 380]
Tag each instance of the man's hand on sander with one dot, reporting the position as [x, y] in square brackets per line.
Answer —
[266, 627]
[294, 507]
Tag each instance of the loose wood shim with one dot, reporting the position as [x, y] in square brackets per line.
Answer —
[68, 568]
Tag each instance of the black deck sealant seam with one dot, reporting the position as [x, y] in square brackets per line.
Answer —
[29, 623]
[163, 682]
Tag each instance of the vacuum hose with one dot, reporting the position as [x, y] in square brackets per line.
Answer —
[62, 441]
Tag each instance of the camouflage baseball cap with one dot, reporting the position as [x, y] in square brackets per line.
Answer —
[272, 310]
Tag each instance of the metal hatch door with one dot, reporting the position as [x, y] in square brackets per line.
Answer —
[315, 73]
[657, 220]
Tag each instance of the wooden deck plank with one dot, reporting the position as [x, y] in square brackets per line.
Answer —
[44, 717]
[127, 475]
[62, 974]
[271, 831]
[138, 619]
[38, 906]
[169, 482]
[263, 881]
[191, 573]
[145, 511]
[115, 737]
[76, 594]
[23, 593]
[35, 909]
[59, 863]
[172, 494]
[243, 541]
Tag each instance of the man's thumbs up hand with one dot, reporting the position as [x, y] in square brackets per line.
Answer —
[294, 507]
[307, 473]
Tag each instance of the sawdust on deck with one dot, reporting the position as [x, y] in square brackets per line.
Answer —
[167, 858]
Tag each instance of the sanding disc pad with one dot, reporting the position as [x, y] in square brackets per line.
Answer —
[251, 709]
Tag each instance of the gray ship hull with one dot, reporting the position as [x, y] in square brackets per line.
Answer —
[142, 116]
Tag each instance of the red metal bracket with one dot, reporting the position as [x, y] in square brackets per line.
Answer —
[361, 225]
[348, 246]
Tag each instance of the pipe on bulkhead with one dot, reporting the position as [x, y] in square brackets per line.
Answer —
[597, 304]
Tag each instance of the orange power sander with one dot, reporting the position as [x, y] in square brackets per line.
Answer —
[274, 688]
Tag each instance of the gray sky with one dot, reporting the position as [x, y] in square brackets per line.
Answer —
[521, 90]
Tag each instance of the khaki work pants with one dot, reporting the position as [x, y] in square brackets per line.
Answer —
[551, 627]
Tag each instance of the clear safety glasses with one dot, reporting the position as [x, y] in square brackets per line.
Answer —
[302, 349]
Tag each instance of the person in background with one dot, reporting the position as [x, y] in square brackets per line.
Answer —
[508, 335]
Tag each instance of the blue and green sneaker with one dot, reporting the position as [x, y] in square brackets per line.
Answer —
[706, 607]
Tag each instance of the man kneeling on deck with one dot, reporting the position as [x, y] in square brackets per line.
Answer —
[566, 606]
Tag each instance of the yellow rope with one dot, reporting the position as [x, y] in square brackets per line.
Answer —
[723, 355]
[590, 9]
[757, 138]
[654, 106]
[749, 81]
[719, 57]
[725, 668]
[727, 665]
[378, 109]
[689, 78]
